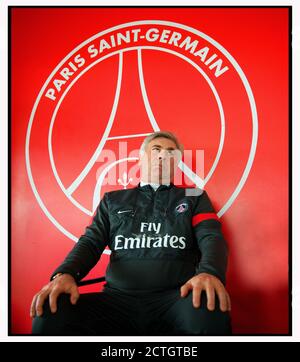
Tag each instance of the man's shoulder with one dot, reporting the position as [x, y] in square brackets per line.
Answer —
[189, 191]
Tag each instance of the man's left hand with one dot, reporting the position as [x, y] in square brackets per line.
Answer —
[212, 286]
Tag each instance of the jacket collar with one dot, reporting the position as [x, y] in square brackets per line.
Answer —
[148, 187]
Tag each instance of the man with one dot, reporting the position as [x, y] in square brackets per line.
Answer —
[167, 267]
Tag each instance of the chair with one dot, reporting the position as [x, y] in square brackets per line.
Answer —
[90, 281]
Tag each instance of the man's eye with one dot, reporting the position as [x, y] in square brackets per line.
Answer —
[156, 149]
[171, 153]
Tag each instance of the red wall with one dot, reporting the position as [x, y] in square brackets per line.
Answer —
[255, 223]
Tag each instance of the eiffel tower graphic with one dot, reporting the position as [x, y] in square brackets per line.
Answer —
[130, 83]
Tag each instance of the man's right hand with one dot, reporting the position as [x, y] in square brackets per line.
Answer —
[64, 283]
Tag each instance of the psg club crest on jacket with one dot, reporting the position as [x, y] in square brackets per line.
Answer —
[181, 208]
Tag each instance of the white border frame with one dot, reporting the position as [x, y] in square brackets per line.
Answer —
[3, 163]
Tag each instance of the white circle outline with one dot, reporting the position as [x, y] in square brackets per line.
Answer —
[150, 22]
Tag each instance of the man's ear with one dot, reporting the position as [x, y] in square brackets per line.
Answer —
[178, 157]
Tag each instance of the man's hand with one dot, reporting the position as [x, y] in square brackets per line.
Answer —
[211, 285]
[64, 283]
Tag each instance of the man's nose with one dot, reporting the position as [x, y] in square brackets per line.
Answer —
[163, 155]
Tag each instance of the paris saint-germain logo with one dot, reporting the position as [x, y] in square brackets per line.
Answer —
[119, 85]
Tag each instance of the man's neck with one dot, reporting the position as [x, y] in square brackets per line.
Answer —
[154, 185]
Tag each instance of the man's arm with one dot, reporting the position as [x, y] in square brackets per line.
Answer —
[87, 251]
[211, 270]
[210, 240]
[77, 264]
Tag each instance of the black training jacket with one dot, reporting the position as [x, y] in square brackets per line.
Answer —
[158, 239]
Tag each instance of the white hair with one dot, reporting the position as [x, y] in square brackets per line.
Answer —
[160, 134]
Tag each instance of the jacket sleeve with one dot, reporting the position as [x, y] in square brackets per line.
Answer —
[210, 240]
[87, 251]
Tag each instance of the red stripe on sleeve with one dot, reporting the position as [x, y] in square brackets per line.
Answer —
[201, 217]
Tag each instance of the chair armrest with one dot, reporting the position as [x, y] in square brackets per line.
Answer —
[90, 281]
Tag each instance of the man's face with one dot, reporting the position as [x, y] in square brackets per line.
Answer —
[159, 161]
